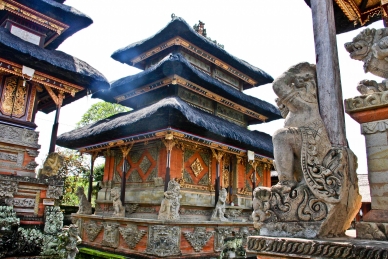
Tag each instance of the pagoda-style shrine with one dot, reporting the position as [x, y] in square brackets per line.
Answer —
[35, 77]
[180, 167]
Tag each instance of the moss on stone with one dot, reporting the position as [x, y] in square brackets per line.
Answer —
[90, 253]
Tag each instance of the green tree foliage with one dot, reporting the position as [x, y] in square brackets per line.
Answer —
[99, 111]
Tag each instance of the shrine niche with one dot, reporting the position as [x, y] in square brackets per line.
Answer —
[317, 193]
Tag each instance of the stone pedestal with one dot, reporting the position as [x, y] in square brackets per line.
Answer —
[371, 112]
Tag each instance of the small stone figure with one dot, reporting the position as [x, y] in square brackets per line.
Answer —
[169, 209]
[219, 211]
[118, 208]
[69, 240]
[84, 205]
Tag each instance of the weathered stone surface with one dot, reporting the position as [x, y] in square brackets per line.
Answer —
[111, 234]
[51, 165]
[372, 230]
[379, 203]
[19, 136]
[164, 241]
[317, 249]
[131, 235]
[198, 238]
[317, 182]
[92, 229]
[376, 216]
[169, 209]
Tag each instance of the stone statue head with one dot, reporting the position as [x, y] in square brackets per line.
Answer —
[361, 45]
[297, 81]
[52, 164]
[173, 186]
[80, 191]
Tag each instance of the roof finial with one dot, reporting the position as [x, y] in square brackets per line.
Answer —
[173, 16]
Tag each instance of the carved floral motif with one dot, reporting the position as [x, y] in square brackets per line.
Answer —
[111, 235]
[197, 167]
[92, 230]
[8, 188]
[131, 235]
[23, 202]
[221, 234]
[374, 127]
[198, 238]
[164, 241]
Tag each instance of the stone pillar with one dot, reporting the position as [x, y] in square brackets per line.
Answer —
[373, 119]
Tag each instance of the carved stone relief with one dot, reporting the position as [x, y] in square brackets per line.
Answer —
[12, 157]
[198, 238]
[233, 213]
[169, 208]
[163, 241]
[131, 235]
[152, 175]
[317, 182]
[19, 136]
[23, 202]
[53, 220]
[372, 230]
[111, 235]
[370, 47]
[204, 180]
[374, 127]
[54, 192]
[8, 157]
[221, 234]
[134, 177]
[8, 188]
[31, 165]
[186, 177]
[131, 208]
[51, 165]
[32, 152]
[92, 230]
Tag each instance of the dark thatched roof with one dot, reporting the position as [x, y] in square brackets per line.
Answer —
[51, 62]
[342, 23]
[169, 112]
[177, 64]
[179, 27]
[60, 12]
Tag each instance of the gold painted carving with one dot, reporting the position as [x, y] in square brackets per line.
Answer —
[32, 102]
[32, 15]
[217, 154]
[197, 167]
[55, 83]
[147, 88]
[194, 49]
[14, 97]
[352, 11]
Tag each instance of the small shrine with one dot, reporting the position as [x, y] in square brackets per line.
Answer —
[181, 166]
[35, 77]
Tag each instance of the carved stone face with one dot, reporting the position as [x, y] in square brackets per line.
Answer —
[361, 45]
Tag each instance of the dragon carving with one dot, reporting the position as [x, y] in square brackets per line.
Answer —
[371, 47]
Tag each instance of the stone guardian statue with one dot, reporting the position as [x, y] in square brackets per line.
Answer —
[317, 193]
[169, 208]
[219, 211]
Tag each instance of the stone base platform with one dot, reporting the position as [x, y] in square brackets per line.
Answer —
[153, 238]
[347, 247]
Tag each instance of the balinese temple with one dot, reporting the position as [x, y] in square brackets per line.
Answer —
[35, 77]
[188, 126]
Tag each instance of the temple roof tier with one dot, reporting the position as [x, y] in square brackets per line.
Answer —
[74, 19]
[178, 31]
[176, 66]
[54, 63]
[166, 114]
